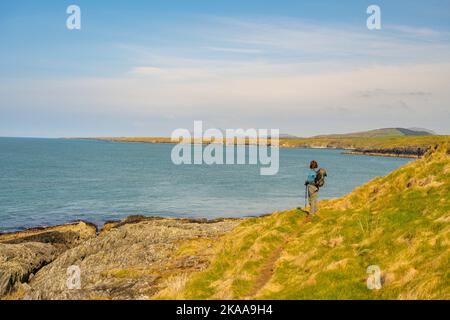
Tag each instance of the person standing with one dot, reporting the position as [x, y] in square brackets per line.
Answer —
[312, 188]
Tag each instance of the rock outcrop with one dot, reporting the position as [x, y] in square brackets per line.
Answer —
[23, 253]
[18, 263]
[407, 152]
[129, 259]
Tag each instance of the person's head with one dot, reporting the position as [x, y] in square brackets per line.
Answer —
[313, 165]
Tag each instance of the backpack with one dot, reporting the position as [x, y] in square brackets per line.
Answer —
[320, 178]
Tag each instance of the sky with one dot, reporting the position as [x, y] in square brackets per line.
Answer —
[146, 68]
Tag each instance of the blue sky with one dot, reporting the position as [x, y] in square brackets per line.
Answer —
[149, 67]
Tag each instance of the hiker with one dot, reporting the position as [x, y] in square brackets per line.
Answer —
[315, 180]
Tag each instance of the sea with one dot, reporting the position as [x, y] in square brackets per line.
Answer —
[46, 182]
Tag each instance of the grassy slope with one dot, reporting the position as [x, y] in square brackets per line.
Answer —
[399, 222]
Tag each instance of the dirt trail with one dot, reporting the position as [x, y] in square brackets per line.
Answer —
[267, 270]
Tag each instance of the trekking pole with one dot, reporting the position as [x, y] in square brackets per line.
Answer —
[306, 195]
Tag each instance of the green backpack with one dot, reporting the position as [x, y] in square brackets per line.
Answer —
[320, 178]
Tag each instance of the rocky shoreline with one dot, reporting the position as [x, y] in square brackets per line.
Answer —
[404, 152]
[382, 154]
[135, 258]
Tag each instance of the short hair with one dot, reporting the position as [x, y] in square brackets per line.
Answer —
[313, 165]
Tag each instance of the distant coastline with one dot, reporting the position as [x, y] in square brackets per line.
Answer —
[388, 146]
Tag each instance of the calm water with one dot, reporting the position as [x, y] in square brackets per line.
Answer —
[52, 181]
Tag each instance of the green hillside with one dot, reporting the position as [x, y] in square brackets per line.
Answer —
[399, 222]
[401, 145]
[385, 132]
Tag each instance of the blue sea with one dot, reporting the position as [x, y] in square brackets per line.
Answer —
[51, 181]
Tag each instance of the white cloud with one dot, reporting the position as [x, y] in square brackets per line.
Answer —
[240, 91]
[147, 71]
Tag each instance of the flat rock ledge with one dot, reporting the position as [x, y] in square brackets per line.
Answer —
[135, 258]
